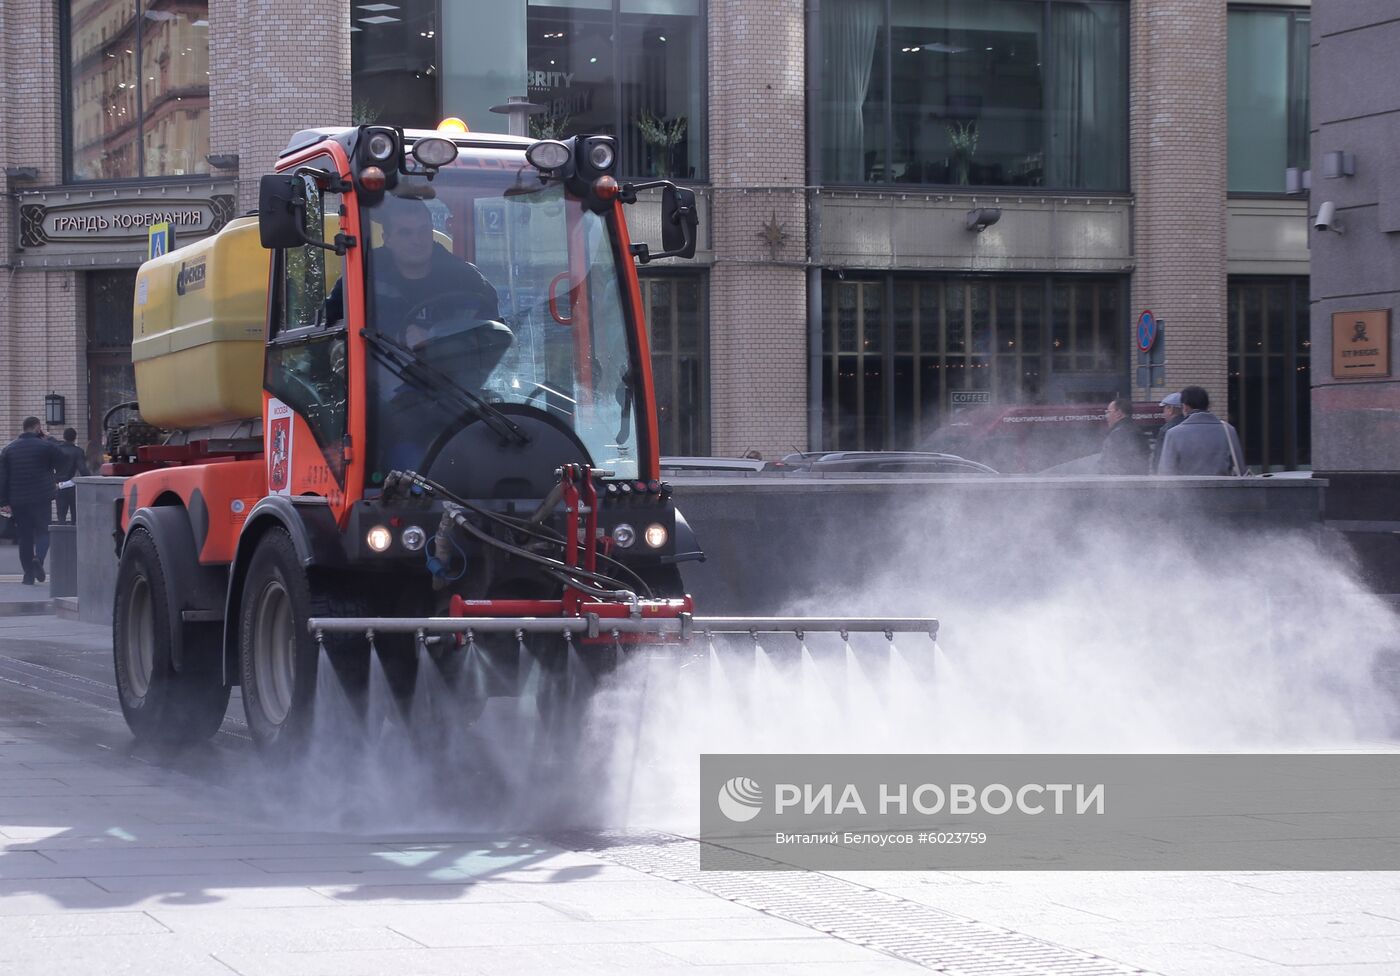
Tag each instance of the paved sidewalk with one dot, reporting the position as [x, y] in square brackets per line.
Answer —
[113, 860]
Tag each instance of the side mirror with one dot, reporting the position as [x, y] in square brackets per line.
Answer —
[282, 211]
[679, 222]
[288, 218]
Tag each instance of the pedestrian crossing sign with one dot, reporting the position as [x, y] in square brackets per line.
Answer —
[160, 239]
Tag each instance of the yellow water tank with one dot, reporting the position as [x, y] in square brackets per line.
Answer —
[197, 330]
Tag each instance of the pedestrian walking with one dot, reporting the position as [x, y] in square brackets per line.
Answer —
[28, 475]
[1202, 444]
[74, 466]
[1125, 449]
[1171, 416]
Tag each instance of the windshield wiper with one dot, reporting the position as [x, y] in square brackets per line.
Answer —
[405, 364]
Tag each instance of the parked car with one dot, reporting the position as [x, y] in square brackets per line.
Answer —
[712, 465]
[892, 462]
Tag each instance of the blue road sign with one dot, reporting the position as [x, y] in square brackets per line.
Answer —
[160, 239]
[1146, 331]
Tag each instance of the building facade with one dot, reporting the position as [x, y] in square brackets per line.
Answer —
[909, 206]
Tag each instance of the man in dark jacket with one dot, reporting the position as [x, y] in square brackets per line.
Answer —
[1124, 449]
[27, 478]
[1202, 444]
[74, 466]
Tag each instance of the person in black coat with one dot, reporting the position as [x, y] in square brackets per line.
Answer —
[28, 475]
[74, 466]
[1125, 450]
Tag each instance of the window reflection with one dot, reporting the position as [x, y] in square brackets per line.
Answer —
[138, 88]
[980, 92]
[394, 52]
[1268, 97]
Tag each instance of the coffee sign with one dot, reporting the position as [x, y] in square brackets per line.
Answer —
[1361, 344]
[109, 226]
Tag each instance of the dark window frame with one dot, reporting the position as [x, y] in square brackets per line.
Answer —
[886, 354]
[816, 133]
[701, 280]
[702, 19]
[1293, 13]
[1296, 437]
[65, 68]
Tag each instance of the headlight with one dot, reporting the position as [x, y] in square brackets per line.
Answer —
[413, 538]
[434, 152]
[381, 147]
[548, 155]
[624, 535]
[600, 155]
[378, 538]
[656, 535]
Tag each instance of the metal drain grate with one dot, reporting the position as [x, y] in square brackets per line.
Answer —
[848, 911]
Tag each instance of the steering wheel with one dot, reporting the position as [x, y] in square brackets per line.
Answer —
[408, 317]
[305, 388]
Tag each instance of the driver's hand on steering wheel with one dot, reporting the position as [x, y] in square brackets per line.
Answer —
[416, 335]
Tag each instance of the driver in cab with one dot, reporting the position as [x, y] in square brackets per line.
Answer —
[417, 281]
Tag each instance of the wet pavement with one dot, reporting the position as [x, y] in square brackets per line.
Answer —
[114, 859]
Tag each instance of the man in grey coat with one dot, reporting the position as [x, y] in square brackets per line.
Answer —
[1202, 444]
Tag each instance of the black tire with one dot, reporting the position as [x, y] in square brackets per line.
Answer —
[278, 656]
[162, 705]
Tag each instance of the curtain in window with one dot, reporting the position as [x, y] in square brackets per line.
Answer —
[849, 31]
[1086, 97]
[1298, 63]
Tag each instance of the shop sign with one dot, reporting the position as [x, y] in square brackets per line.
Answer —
[109, 226]
[1361, 344]
[968, 398]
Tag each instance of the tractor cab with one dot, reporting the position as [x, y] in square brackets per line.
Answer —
[480, 292]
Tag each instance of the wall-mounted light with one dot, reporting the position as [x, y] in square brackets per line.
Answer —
[223, 160]
[1337, 164]
[21, 174]
[1296, 180]
[55, 414]
[980, 218]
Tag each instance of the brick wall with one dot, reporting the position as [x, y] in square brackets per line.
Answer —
[42, 346]
[1178, 129]
[758, 302]
[275, 68]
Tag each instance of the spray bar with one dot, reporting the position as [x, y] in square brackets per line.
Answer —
[591, 625]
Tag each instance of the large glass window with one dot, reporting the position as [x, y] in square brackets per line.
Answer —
[493, 295]
[137, 88]
[395, 55]
[633, 69]
[903, 352]
[674, 306]
[975, 92]
[1268, 97]
[1271, 371]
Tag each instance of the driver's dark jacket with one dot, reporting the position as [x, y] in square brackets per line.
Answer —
[395, 296]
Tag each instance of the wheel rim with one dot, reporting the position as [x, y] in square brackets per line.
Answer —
[140, 636]
[274, 651]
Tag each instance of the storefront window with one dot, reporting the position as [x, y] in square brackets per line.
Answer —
[902, 351]
[137, 88]
[633, 69]
[394, 53]
[975, 92]
[1268, 97]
